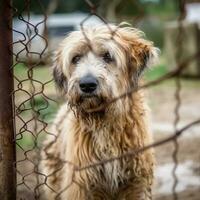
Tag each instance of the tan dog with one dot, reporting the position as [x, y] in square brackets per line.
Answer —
[91, 69]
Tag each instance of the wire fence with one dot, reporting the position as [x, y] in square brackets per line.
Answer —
[34, 102]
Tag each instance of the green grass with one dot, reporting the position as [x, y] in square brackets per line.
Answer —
[44, 111]
[27, 141]
[45, 108]
[38, 105]
[155, 72]
[40, 73]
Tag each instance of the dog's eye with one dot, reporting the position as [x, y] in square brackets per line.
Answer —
[75, 59]
[107, 57]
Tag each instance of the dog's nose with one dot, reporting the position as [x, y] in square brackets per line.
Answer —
[88, 84]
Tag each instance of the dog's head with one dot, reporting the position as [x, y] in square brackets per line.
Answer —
[96, 65]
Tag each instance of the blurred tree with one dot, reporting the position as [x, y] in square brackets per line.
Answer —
[108, 9]
[52, 6]
[113, 10]
[58, 6]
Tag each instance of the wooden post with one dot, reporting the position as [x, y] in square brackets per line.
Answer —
[7, 144]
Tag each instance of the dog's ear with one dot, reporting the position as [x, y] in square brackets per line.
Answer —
[140, 52]
[58, 75]
[143, 54]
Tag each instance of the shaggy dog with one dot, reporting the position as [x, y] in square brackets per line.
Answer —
[91, 68]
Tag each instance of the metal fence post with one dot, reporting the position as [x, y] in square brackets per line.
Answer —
[7, 144]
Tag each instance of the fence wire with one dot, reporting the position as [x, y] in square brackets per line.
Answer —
[32, 124]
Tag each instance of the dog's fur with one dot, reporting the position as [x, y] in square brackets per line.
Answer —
[85, 134]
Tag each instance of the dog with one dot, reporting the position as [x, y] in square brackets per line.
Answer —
[91, 69]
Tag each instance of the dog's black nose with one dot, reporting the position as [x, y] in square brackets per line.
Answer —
[88, 84]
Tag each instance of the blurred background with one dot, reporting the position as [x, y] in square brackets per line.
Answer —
[173, 26]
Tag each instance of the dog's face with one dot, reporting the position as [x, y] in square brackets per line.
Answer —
[93, 67]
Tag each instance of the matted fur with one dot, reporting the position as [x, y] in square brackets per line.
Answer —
[83, 137]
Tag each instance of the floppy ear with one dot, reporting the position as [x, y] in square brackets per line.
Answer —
[144, 54]
[140, 52]
[58, 75]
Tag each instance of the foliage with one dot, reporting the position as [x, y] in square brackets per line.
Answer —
[128, 7]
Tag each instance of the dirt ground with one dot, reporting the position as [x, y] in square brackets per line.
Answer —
[162, 103]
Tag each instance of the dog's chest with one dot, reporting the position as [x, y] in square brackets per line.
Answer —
[98, 145]
[108, 144]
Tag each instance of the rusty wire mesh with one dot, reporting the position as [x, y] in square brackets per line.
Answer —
[31, 123]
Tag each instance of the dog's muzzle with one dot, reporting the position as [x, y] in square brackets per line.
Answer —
[88, 84]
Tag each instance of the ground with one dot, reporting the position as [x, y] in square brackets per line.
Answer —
[162, 103]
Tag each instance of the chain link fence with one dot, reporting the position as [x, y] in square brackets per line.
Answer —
[34, 103]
